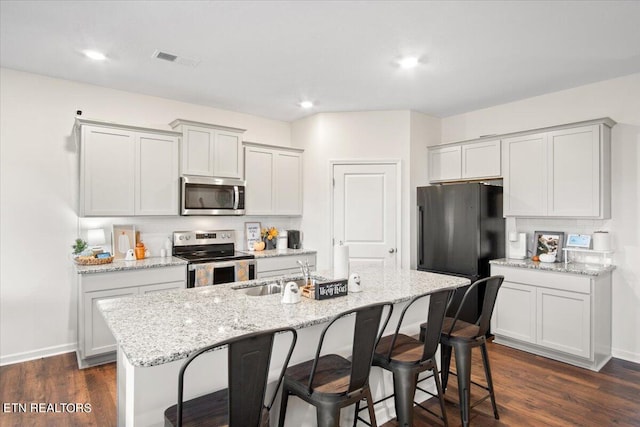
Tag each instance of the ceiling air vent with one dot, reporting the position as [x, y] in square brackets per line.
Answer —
[192, 62]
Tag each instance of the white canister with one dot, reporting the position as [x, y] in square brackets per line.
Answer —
[281, 243]
[601, 241]
[341, 261]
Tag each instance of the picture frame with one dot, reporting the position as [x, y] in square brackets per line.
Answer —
[123, 238]
[579, 241]
[252, 233]
[549, 242]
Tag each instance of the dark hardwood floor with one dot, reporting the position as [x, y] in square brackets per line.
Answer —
[530, 391]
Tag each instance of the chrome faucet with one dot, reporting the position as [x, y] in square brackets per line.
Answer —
[304, 267]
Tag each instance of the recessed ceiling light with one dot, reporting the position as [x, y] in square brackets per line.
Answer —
[95, 55]
[306, 104]
[408, 62]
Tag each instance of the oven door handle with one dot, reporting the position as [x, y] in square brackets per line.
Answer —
[222, 264]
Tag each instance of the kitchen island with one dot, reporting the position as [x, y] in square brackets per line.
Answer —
[155, 333]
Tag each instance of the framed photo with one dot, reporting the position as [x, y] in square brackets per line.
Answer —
[123, 238]
[252, 233]
[549, 242]
[579, 241]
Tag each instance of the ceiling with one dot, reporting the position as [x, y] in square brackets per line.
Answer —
[264, 57]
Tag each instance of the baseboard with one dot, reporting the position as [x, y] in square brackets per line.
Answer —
[10, 359]
[625, 355]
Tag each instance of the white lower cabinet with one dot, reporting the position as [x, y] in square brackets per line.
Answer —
[96, 344]
[280, 265]
[562, 316]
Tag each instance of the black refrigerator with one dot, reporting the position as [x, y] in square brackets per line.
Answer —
[460, 228]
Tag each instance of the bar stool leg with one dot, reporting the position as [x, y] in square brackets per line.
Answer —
[445, 364]
[440, 393]
[487, 374]
[328, 415]
[404, 389]
[463, 368]
[372, 415]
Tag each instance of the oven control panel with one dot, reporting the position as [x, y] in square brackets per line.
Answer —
[189, 238]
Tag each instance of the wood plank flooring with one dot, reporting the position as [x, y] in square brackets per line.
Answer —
[530, 390]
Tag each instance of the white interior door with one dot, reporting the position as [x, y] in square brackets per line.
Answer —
[365, 212]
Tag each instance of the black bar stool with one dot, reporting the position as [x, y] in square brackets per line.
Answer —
[406, 357]
[332, 382]
[462, 337]
[242, 403]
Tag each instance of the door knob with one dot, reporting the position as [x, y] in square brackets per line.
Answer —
[392, 250]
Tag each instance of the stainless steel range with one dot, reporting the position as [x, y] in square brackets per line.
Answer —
[212, 257]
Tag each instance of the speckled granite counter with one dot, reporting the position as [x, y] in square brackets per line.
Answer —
[120, 265]
[159, 328]
[556, 267]
[279, 252]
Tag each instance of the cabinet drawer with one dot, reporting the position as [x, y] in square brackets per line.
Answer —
[122, 279]
[562, 281]
[284, 262]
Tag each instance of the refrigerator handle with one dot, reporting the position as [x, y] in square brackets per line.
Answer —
[420, 236]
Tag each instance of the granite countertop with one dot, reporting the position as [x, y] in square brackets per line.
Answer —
[278, 252]
[159, 328]
[121, 265]
[557, 267]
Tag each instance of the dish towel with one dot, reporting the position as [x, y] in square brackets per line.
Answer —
[204, 275]
[242, 271]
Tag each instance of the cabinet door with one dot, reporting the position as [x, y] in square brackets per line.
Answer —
[445, 163]
[574, 172]
[227, 158]
[288, 183]
[514, 315]
[564, 321]
[161, 287]
[97, 336]
[481, 160]
[107, 172]
[259, 167]
[156, 175]
[198, 148]
[525, 175]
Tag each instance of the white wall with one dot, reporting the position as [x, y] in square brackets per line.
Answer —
[39, 167]
[620, 100]
[375, 135]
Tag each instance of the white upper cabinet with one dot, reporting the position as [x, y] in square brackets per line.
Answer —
[559, 173]
[481, 160]
[464, 161]
[274, 180]
[445, 163]
[125, 170]
[210, 150]
[157, 185]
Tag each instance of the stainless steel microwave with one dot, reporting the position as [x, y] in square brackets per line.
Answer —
[211, 196]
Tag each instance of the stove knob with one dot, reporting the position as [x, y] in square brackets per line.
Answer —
[188, 237]
[227, 235]
[181, 237]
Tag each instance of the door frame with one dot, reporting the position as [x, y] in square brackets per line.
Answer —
[398, 164]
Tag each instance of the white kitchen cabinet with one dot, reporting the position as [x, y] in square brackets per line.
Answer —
[464, 161]
[156, 184]
[127, 170]
[562, 172]
[96, 344]
[210, 150]
[445, 163]
[285, 264]
[274, 180]
[562, 316]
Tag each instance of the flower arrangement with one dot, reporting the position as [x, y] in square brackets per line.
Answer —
[269, 233]
[269, 237]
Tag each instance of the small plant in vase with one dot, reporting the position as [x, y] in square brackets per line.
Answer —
[269, 236]
[80, 247]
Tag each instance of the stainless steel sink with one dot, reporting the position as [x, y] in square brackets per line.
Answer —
[275, 288]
